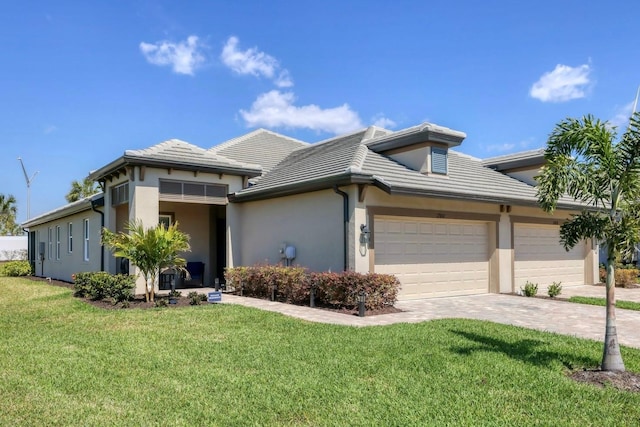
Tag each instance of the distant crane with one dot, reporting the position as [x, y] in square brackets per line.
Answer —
[29, 181]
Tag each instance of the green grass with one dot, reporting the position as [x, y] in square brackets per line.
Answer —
[627, 305]
[63, 362]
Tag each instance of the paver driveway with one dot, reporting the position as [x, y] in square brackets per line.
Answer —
[585, 321]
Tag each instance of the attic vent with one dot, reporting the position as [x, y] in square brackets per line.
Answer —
[120, 194]
[194, 192]
[438, 160]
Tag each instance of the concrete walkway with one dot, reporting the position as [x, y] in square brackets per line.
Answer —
[584, 321]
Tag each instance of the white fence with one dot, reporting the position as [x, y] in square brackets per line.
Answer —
[13, 248]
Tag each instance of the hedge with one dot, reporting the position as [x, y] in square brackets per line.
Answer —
[293, 284]
[16, 268]
[624, 276]
[102, 285]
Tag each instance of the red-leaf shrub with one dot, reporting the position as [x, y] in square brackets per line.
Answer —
[332, 289]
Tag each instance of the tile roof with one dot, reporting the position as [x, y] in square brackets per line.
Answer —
[260, 147]
[175, 150]
[347, 156]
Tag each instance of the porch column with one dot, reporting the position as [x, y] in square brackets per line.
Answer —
[505, 254]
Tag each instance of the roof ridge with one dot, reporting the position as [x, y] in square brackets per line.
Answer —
[357, 161]
[241, 138]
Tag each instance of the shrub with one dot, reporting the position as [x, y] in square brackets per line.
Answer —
[554, 289]
[161, 302]
[530, 289]
[624, 276]
[102, 285]
[333, 289]
[194, 298]
[16, 268]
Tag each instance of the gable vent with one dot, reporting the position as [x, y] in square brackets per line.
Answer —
[438, 160]
[193, 192]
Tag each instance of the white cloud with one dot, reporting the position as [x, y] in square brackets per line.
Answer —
[49, 129]
[254, 62]
[184, 57]
[277, 109]
[564, 83]
[383, 122]
[501, 148]
[622, 115]
[510, 146]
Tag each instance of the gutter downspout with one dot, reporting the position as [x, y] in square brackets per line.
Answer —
[345, 205]
[93, 208]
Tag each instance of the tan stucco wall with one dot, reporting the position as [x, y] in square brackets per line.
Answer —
[145, 205]
[502, 256]
[69, 263]
[310, 222]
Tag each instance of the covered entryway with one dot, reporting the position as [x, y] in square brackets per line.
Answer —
[540, 258]
[433, 257]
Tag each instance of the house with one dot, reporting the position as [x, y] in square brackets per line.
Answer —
[404, 203]
[13, 248]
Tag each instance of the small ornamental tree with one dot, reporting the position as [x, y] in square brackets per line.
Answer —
[152, 250]
[586, 161]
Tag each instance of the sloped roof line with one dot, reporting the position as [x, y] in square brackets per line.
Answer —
[249, 135]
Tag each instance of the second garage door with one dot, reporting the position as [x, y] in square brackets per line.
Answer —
[539, 257]
[433, 257]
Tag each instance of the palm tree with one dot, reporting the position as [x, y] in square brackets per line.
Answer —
[8, 212]
[586, 161]
[80, 190]
[151, 250]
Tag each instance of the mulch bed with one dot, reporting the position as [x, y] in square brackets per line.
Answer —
[183, 301]
[625, 381]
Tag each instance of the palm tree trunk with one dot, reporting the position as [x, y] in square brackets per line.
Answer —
[611, 356]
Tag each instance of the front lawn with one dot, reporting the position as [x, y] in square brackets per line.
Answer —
[64, 362]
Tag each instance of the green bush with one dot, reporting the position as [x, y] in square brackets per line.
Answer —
[16, 268]
[530, 289]
[554, 289]
[194, 298]
[294, 284]
[102, 285]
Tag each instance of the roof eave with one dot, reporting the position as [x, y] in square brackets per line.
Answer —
[70, 209]
[302, 187]
[423, 133]
[124, 161]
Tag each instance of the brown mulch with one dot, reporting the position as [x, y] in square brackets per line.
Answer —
[183, 301]
[625, 381]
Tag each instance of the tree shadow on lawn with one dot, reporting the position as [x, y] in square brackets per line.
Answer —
[525, 350]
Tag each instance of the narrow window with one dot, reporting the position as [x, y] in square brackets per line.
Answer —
[86, 240]
[58, 244]
[50, 242]
[439, 161]
[70, 237]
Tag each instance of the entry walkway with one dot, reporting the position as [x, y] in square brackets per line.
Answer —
[584, 321]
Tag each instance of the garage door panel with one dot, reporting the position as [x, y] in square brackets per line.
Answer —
[433, 257]
[539, 257]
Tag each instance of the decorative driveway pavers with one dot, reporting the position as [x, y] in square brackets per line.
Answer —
[585, 321]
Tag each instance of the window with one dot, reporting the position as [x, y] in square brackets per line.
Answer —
[50, 242]
[58, 242]
[70, 237]
[165, 219]
[438, 160]
[86, 239]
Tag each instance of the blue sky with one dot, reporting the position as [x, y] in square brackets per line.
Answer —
[81, 82]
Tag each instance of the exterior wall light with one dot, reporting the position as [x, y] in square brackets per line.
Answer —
[365, 234]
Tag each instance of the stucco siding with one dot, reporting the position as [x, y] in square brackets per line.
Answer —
[69, 262]
[312, 223]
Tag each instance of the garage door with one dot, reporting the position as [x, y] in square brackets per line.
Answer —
[539, 257]
[433, 257]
